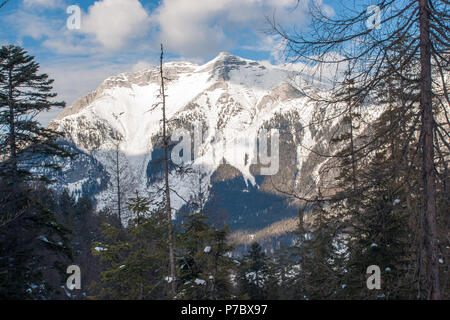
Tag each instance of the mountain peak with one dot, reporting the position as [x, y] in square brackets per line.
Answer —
[224, 63]
[225, 57]
[224, 54]
[229, 99]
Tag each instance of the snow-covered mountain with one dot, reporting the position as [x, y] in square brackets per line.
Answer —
[224, 104]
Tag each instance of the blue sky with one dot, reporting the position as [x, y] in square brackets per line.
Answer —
[124, 35]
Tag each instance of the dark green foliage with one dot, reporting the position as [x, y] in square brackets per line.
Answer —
[373, 217]
[23, 95]
[33, 244]
[321, 253]
[205, 266]
[86, 228]
[134, 257]
[32, 266]
[254, 274]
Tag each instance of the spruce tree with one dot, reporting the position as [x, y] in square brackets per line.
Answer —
[377, 212]
[220, 265]
[23, 95]
[205, 265]
[322, 259]
[32, 242]
[253, 273]
[34, 250]
[134, 258]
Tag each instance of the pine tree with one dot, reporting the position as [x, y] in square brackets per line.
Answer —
[134, 257]
[23, 95]
[376, 212]
[205, 265]
[32, 242]
[254, 273]
[284, 265]
[221, 266]
[33, 265]
[322, 259]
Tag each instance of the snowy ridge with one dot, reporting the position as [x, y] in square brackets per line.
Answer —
[230, 98]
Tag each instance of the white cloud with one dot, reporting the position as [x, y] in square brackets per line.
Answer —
[193, 29]
[108, 25]
[30, 25]
[204, 27]
[51, 33]
[141, 65]
[43, 3]
[114, 22]
[272, 44]
[76, 78]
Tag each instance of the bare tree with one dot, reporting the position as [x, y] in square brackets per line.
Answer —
[161, 185]
[166, 179]
[122, 180]
[410, 35]
[3, 3]
[118, 172]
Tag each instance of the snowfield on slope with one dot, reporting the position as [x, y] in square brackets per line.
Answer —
[230, 98]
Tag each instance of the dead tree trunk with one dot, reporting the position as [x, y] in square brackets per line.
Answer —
[119, 198]
[166, 181]
[429, 184]
[3, 3]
